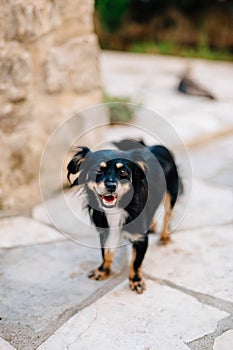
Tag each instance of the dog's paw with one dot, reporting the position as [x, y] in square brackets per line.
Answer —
[138, 286]
[164, 240]
[99, 275]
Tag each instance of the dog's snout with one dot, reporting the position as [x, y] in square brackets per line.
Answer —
[111, 186]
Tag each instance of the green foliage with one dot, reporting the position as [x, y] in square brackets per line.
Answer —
[171, 48]
[120, 110]
[111, 12]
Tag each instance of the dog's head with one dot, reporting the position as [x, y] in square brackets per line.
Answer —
[109, 176]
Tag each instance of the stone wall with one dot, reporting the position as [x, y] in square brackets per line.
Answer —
[48, 70]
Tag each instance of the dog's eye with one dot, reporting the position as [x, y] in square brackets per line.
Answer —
[99, 170]
[123, 172]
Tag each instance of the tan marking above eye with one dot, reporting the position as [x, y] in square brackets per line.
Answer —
[119, 165]
[103, 165]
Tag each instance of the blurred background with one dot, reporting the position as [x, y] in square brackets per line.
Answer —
[60, 62]
[57, 59]
[173, 27]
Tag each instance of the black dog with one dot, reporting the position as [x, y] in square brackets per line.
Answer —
[124, 188]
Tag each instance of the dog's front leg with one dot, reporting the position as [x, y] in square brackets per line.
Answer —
[104, 270]
[135, 274]
[108, 240]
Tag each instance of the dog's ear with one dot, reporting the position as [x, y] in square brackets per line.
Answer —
[139, 164]
[74, 164]
[141, 168]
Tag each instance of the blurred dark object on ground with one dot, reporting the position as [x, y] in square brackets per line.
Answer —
[193, 23]
[190, 87]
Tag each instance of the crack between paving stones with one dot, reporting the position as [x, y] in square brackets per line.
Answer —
[203, 298]
[85, 330]
[8, 214]
[48, 224]
[57, 240]
[209, 138]
[67, 314]
[228, 223]
[206, 342]
[113, 283]
[18, 246]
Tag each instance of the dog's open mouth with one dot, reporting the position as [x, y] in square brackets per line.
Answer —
[109, 199]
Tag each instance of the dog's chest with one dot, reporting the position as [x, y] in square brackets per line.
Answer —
[115, 221]
[116, 218]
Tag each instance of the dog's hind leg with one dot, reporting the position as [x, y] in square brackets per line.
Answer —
[165, 237]
[135, 274]
[153, 225]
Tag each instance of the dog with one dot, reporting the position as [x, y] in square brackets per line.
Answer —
[124, 187]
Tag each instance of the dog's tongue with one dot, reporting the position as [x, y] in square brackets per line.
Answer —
[109, 199]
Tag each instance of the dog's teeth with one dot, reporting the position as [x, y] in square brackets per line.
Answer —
[109, 199]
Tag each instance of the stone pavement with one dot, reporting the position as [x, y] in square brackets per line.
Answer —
[46, 300]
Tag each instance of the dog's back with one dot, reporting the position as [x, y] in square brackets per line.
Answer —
[165, 159]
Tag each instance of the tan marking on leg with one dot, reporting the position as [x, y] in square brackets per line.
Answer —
[104, 270]
[165, 235]
[131, 267]
[139, 285]
[153, 225]
[108, 258]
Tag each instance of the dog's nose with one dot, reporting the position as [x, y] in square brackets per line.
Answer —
[110, 186]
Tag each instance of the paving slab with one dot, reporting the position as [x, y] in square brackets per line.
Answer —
[209, 205]
[214, 161]
[21, 231]
[43, 285]
[55, 209]
[4, 345]
[125, 73]
[65, 212]
[199, 260]
[225, 341]
[161, 318]
[202, 121]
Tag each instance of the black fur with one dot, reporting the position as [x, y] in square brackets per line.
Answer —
[166, 160]
[134, 178]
